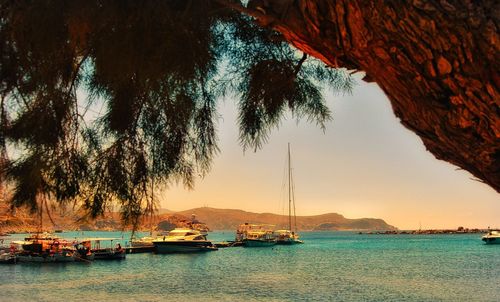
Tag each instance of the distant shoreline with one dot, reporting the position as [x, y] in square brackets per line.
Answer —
[361, 232]
[429, 232]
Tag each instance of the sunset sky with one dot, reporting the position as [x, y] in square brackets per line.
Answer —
[366, 164]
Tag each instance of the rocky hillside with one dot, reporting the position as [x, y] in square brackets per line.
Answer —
[437, 61]
[228, 219]
[22, 221]
[215, 219]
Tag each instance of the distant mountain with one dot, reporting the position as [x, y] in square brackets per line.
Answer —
[22, 220]
[216, 219]
[229, 219]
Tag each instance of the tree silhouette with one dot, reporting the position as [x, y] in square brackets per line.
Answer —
[156, 69]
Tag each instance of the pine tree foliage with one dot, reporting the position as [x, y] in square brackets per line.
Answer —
[157, 68]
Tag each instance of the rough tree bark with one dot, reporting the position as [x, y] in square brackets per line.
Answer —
[437, 61]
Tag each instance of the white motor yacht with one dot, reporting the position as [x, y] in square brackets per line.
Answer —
[493, 237]
[183, 240]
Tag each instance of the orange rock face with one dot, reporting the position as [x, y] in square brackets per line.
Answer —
[437, 61]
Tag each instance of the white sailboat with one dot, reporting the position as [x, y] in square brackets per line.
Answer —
[289, 236]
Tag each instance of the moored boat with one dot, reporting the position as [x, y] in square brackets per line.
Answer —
[103, 248]
[183, 240]
[493, 237]
[255, 235]
[142, 245]
[109, 254]
[61, 257]
[45, 248]
[83, 251]
[259, 239]
[289, 236]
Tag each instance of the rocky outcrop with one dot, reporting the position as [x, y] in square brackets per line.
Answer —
[437, 61]
[22, 221]
[229, 219]
[355, 224]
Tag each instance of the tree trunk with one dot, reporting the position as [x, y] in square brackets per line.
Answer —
[437, 61]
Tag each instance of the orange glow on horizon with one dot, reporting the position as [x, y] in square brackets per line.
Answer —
[365, 165]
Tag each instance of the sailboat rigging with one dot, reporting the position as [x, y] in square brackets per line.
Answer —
[290, 235]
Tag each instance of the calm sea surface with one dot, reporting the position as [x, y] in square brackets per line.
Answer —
[330, 266]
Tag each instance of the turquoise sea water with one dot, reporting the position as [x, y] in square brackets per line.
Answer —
[330, 266]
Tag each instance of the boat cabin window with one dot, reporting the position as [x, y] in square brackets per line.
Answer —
[175, 234]
[172, 234]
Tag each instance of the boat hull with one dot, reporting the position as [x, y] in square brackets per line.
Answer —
[289, 241]
[491, 240]
[139, 243]
[258, 243]
[46, 259]
[168, 247]
[140, 246]
[107, 254]
[140, 249]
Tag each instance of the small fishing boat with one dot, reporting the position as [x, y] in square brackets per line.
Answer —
[493, 237]
[45, 248]
[110, 254]
[104, 251]
[61, 257]
[183, 240]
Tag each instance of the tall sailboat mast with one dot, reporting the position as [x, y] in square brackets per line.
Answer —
[289, 236]
[289, 191]
[293, 202]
